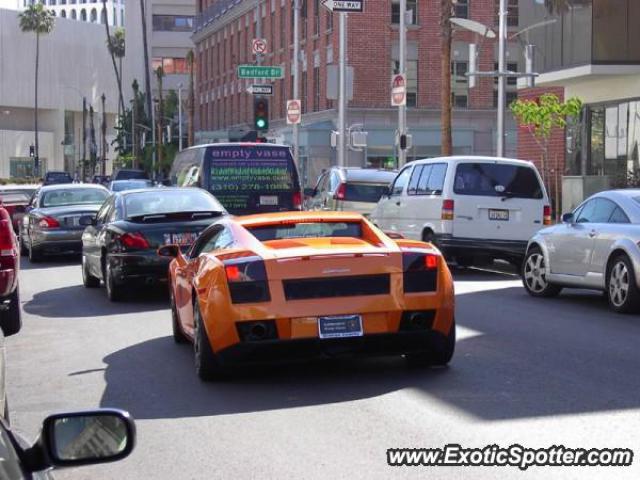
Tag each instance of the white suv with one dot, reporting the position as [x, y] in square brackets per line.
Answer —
[475, 209]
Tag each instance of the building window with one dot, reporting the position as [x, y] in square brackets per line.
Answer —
[283, 23]
[462, 9]
[316, 89]
[172, 23]
[512, 13]
[83, 15]
[170, 65]
[73, 15]
[329, 21]
[63, 2]
[52, 2]
[94, 15]
[459, 85]
[316, 17]
[63, 14]
[303, 91]
[412, 80]
[512, 85]
[395, 10]
[122, 17]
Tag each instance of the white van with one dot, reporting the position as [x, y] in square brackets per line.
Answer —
[475, 209]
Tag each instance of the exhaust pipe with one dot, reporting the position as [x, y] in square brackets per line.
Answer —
[258, 331]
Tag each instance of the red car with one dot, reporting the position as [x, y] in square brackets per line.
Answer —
[10, 319]
[15, 199]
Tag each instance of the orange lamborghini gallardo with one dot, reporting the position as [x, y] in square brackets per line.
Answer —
[298, 285]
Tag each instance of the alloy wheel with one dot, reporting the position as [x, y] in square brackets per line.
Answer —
[534, 273]
[619, 284]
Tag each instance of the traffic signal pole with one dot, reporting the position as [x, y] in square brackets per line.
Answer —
[295, 72]
[342, 91]
[402, 109]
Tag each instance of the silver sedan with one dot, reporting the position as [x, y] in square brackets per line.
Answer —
[595, 247]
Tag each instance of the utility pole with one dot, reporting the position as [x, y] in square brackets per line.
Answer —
[103, 166]
[296, 76]
[83, 162]
[502, 79]
[342, 93]
[133, 133]
[402, 109]
[180, 117]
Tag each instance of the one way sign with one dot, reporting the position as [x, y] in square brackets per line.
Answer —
[344, 5]
[260, 89]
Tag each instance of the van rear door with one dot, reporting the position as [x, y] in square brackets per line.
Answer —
[497, 200]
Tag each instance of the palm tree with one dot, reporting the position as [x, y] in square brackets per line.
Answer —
[145, 48]
[112, 52]
[192, 97]
[36, 19]
[446, 12]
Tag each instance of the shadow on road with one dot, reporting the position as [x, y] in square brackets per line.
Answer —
[77, 301]
[50, 262]
[519, 365]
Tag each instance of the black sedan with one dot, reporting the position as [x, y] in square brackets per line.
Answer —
[119, 245]
[53, 224]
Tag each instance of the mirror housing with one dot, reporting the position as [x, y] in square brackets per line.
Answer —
[87, 220]
[393, 235]
[387, 191]
[170, 250]
[567, 218]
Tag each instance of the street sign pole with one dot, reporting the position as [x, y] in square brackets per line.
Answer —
[502, 37]
[296, 86]
[402, 109]
[342, 92]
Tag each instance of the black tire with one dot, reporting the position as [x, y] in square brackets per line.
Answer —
[207, 365]
[12, 316]
[88, 280]
[534, 277]
[23, 248]
[35, 256]
[622, 290]
[7, 416]
[115, 292]
[178, 335]
[427, 236]
[437, 356]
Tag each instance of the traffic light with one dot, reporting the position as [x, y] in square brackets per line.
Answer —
[32, 151]
[261, 113]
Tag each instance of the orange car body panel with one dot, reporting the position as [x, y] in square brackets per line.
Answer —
[299, 258]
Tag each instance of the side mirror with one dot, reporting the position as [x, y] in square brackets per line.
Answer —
[84, 438]
[87, 220]
[394, 235]
[567, 218]
[169, 251]
[386, 192]
[309, 192]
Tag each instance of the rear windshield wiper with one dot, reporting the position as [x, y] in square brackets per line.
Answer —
[507, 195]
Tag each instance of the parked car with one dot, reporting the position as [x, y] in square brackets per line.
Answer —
[101, 179]
[10, 316]
[15, 199]
[121, 185]
[245, 177]
[130, 174]
[119, 244]
[595, 247]
[350, 189]
[56, 177]
[299, 285]
[475, 209]
[53, 224]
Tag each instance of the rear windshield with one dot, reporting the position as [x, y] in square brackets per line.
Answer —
[169, 201]
[57, 176]
[496, 180]
[14, 197]
[362, 192]
[129, 174]
[307, 230]
[76, 196]
[130, 185]
[240, 173]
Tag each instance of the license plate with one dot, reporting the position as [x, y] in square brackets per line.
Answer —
[181, 239]
[340, 326]
[268, 200]
[72, 221]
[502, 215]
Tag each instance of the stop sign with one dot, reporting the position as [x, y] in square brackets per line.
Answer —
[398, 90]
[294, 112]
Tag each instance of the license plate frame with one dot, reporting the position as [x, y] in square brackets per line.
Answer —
[183, 239]
[269, 200]
[340, 326]
[498, 215]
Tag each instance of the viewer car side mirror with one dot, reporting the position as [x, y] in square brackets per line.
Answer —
[82, 438]
[87, 220]
[567, 218]
[169, 251]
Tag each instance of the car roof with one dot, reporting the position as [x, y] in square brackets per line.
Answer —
[279, 217]
[473, 158]
[623, 192]
[157, 190]
[239, 144]
[368, 175]
[67, 186]
[129, 180]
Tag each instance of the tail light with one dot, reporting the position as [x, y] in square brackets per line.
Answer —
[546, 215]
[247, 279]
[48, 222]
[420, 272]
[134, 241]
[447, 210]
[7, 240]
[297, 200]
[341, 192]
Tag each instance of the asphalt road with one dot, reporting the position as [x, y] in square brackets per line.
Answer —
[536, 372]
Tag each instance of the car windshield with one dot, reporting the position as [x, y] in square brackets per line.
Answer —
[14, 197]
[165, 202]
[497, 180]
[57, 176]
[75, 196]
[130, 185]
[363, 192]
[307, 229]
[130, 174]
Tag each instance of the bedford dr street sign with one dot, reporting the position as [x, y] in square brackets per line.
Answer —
[260, 89]
[344, 5]
[259, 71]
